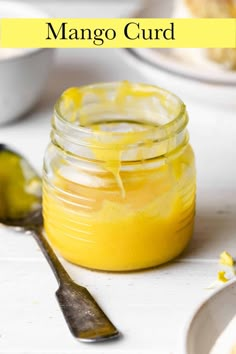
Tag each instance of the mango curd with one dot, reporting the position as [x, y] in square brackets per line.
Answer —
[119, 177]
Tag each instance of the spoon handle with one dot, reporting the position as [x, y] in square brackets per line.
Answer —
[85, 318]
[59, 271]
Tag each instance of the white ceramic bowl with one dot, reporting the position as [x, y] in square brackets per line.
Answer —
[210, 320]
[23, 74]
[199, 80]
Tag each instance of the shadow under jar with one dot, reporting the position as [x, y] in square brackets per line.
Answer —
[119, 177]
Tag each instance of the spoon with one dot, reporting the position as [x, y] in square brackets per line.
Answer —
[21, 208]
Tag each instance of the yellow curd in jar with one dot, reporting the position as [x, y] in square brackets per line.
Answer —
[121, 195]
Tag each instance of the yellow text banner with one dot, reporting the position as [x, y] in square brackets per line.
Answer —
[118, 33]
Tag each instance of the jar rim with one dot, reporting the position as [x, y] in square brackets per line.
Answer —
[165, 130]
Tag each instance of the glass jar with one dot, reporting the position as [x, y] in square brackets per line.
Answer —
[119, 177]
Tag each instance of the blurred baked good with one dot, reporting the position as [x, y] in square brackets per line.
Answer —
[226, 57]
[211, 8]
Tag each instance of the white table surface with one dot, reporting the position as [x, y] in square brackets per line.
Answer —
[150, 308]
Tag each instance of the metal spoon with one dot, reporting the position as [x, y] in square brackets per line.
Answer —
[20, 208]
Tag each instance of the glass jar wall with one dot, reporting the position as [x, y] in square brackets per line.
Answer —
[119, 177]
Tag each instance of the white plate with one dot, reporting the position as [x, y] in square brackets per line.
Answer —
[200, 78]
[210, 320]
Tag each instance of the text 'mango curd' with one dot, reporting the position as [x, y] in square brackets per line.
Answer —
[119, 177]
